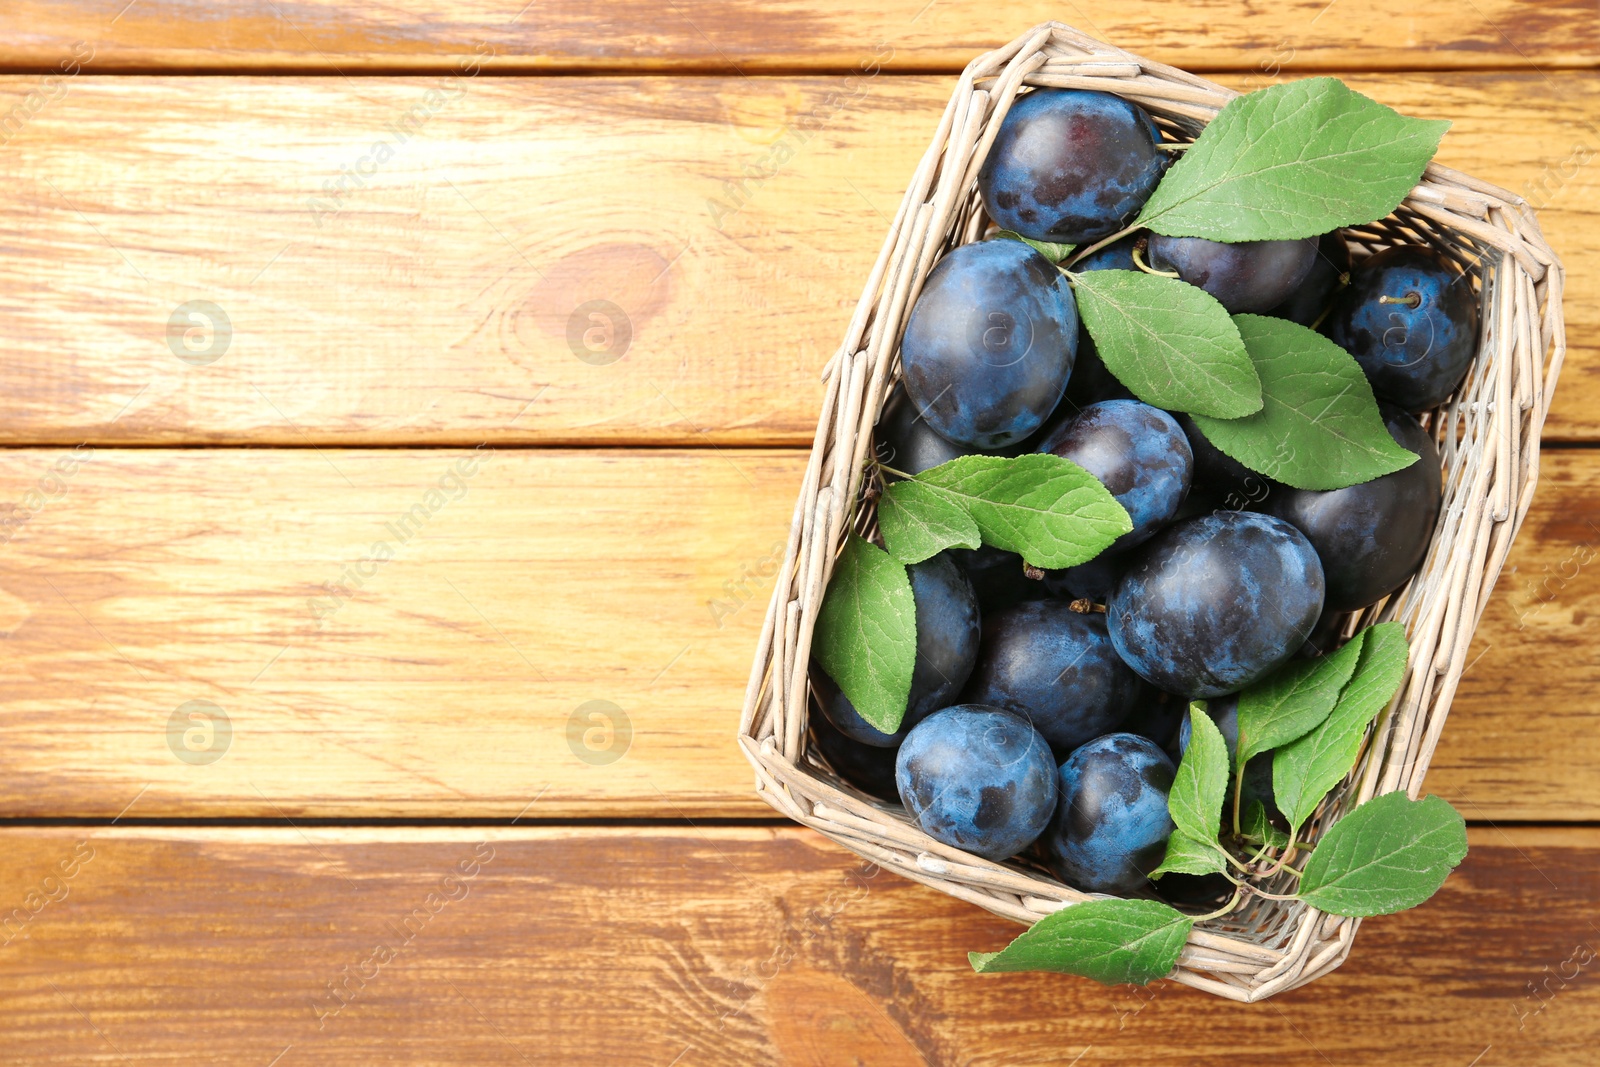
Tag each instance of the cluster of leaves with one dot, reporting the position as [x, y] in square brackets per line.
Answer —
[1388, 854]
[1290, 161]
[1047, 509]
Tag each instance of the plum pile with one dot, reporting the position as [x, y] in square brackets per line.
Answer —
[1046, 708]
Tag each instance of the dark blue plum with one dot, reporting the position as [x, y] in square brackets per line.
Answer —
[1214, 603]
[989, 345]
[1118, 255]
[1326, 637]
[1371, 537]
[1091, 581]
[1091, 382]
[948, 636]
[1246, 277]
[1137, 452]
[997, 577]
[1159, 717]
[977, 778]
[1411, 320]
[1071, 165]
[1329, 271]
[867, 767]
[1056, 668]
[1220, 481]
[1224, 711]
[1111, 825]
[844, 717]
[948, 633]
[907, 443]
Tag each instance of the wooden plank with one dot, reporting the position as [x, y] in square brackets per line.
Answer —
[524, 224]
[457, 677]
[564, 35]
[1526, 705]
[713, 947]
[443, 682]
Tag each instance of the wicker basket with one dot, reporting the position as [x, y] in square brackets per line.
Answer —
[1489, 438]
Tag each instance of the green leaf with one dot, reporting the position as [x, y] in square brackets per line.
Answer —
[1169, 342]
[1195, 800]
[1319, 426]
[866, 635]
[1304, 770]
[1048, 509]
[1111, 941]
[919, 521]
[1293, 160]
[1256, 824]
[1291, 702]
[1390, 854]
[1187, 855]
[1049, 250]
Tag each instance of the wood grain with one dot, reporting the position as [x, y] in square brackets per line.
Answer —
[709, 947]
[448, 297]
[764, 35]
[455, 679]
[441, 679]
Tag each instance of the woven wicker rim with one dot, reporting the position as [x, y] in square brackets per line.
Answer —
[1489, 441]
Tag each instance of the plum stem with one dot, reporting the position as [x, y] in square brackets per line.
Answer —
[1410, 300]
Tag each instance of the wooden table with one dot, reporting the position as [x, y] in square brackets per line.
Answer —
[403, 403]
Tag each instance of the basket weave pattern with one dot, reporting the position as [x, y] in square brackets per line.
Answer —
[1489, 440]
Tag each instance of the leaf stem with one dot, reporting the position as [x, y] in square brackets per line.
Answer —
[1238, 788]
[1233, 902]
[1260, 852]
[1272, 896]
[1282, 862]
[1251, 888]
[1138, 261]
[1231, 858]
[1098, 245]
